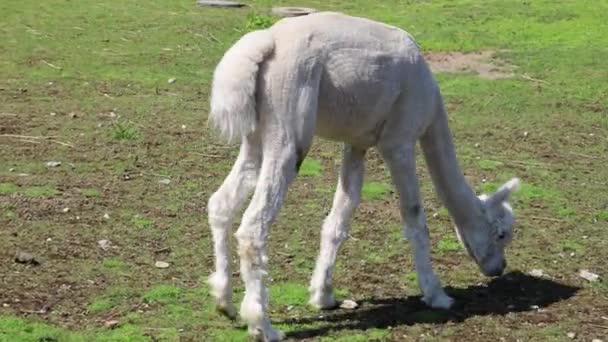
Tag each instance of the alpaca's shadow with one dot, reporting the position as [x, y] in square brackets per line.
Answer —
[514, 292]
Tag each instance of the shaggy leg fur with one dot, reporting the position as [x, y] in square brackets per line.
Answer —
[222, 207]
[402, 163]
[336, 226]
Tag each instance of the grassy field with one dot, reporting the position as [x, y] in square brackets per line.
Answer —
[117, 91]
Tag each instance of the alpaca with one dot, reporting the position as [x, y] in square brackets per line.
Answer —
[354, 81]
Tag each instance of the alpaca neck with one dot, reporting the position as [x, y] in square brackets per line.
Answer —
[450, 183]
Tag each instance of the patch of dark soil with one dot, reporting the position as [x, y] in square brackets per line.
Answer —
[484, 63]
[512, 293]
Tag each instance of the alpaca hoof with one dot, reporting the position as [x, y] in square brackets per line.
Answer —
[439, 301]
[323, 301]
[227, 310]
[270, 335]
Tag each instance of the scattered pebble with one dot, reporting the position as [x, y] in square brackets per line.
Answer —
[171, 80]
[349, 304]
[596, 340]
[104, 244]
[25, 258]
[52, 113]
[537, 273]
[477, 144]
[289, 308]
[534, 307]
[161, 264]
[435, 215]
[53, 163]
[571, 335]
[184, 127]
[49, 240]
[106, 216]
[11, 170]
[526, 134]
[23, 174]
[111, 324]
[589, 276]
[165, 181]
[66, 210]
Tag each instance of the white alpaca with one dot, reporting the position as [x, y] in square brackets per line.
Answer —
[345, 79]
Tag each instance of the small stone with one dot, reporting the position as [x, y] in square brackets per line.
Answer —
[49, 240]
[11, 170]
[596, 340]
[349, 304]
[171, 80]
[526, 134]
[477, 144]
[6, 305]
[161, 264]
[534, 307]
[112, 114]
[165, 181]
[23, 174]
[111, 324]
[106, 216]
[571, 335]
[484, 180]
[589, 276]
[537, 273]
[289, 308]
[52, 113]
[25, 258]
[53, 163]
[184, 127]
[435, 215]
[66, 210]
[104, 244]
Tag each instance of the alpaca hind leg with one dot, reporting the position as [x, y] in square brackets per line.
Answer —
[277, 172]
[336, 226]
[402, 163]
[222, 206]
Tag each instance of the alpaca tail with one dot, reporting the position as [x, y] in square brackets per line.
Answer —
[233, 93]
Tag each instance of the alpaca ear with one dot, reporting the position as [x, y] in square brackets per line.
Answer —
[504, 192]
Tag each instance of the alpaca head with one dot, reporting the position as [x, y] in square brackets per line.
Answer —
[493, 230]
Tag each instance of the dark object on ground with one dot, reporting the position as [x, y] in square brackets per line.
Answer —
[220, 3]
[292, 11]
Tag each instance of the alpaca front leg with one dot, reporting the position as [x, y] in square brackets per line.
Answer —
[336, 226]
[222, 206]
[278, 170]
[402, 163]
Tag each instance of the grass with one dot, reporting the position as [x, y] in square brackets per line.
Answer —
[310, 168]
[103, 69]
[375, 190]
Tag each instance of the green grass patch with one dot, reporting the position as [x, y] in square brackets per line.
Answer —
[488, 165]
[8, 188]
[258, 21]
[142, 223]
[573, 246]
[124, 131]
[163, 294]
[100, 305]
[448, 244]
[114, 263]
[288, 294]
[602, 215]
[375, 190]
[310, 168]
[91, 193]
[40, 191]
